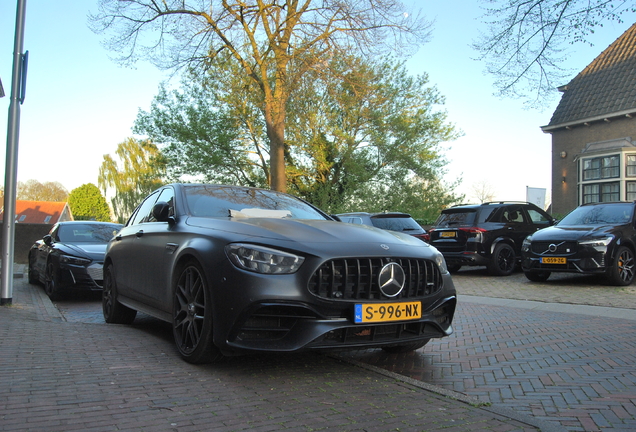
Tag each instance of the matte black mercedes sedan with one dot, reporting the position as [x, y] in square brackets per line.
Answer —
[595, 238]
[71, 256]
[237, 269]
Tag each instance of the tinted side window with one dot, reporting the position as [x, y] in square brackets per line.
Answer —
[143, 213]
[538, 218]
[489, 214]
[512, 214]
[167, 196]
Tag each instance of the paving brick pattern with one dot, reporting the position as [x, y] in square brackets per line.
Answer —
[76, 376]
[575, 370]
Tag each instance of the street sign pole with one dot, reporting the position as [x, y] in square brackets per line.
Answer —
[18, 81]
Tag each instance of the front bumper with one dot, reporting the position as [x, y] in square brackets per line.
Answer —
[83, 278]
[288, 313]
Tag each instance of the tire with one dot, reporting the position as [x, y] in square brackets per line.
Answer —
[397, 349]
[621, 272]
[114, 312]
[502, 261]
[537, 276]
[51, 281]
[453, 268]
[192, 319]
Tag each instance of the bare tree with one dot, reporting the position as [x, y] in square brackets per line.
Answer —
[261, 36]
[483, 191]
[33, 190]
[524, 46]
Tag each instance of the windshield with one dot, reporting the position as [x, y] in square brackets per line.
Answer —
[616, 214]
[87, 233]
[239, 202]
[396, 223]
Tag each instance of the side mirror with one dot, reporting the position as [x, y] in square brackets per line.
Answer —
[161, 212]
[48, 240]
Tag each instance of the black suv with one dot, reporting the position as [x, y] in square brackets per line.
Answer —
[394, 221]
[595, 238]
[489, 234]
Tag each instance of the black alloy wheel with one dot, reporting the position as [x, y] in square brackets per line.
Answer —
[537, 276]
[51, 281]
[621, 272]
[114, 312]
[503, 260]
[192, 317]
[396, 349]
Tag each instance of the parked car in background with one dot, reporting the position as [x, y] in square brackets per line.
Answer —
[595, 238]
[71, 256]
[237, 269]
[394, 221]
[488, 234]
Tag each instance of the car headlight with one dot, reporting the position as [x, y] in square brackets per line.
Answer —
[597, 242]
[73, 260]
[525, 246]
[441, 262]
[262, 259]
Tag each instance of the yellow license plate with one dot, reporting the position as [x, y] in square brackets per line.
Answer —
[444, 234]
[553, 260]
[383, 312]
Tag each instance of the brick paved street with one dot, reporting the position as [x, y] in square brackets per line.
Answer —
[75, 376]
[569, 370]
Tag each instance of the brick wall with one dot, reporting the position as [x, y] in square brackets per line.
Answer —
[25, 235]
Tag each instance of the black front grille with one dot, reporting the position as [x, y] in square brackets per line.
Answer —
[562, 247]
[357, 279]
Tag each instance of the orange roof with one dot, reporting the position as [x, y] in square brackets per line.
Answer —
[38, 212]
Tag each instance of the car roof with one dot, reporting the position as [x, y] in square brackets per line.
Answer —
[488, 204]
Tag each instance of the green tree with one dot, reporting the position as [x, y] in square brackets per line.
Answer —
[356, 129]
[524, 45]
[262, 38]
[88, 203]
[33, 190]
[138, 170]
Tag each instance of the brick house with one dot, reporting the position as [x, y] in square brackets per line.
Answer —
[594, 131]
[33, 220]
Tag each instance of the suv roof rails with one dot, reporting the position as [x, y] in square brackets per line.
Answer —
[506, 202]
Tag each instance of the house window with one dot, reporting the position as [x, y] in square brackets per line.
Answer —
[601, 168]
[22, 218]
[601, 192]
[47, 219]
[630, 165]
[630, 195]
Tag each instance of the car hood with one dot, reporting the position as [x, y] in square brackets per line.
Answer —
[94, 251]
[321, 234]
[573, 232]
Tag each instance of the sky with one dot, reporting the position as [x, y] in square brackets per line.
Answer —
[80, 104]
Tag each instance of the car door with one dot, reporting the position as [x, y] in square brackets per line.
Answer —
[516, 224]
[125, 250]
[153, 247]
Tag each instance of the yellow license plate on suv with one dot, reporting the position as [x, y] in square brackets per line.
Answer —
[554, 260]
[383, 312]
[447, 234]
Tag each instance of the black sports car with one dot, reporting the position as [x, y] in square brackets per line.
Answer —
[71, 256]
[595, 238]
[238, 269]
